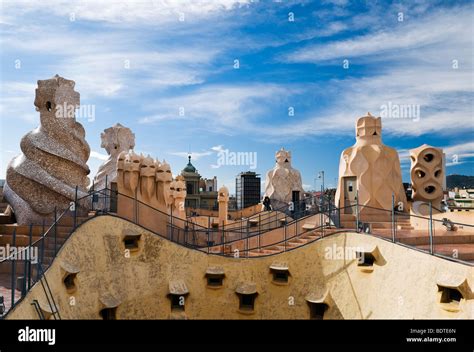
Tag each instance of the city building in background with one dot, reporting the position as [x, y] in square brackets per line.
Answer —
[247, 189]
[200, 192]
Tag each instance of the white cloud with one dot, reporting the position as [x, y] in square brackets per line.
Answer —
[115, 61]
[16, 101]
[417, 69]
[228, 108]
[443, 28]
[113, 73]
[456, 154]
[98, 156]
[443, 97]
[218, 148]
[156, 12]
[459, 154]
[422, 75]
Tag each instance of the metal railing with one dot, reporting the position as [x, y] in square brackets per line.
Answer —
[26, 264]
[266, 220]
[422, 233]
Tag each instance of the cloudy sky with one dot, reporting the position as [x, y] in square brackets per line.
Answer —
[246, 76]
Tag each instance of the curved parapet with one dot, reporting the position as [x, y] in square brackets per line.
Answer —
[159, 279]
[53, 159]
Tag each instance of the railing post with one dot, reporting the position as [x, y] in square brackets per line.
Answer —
[296, 227]
[135, 201]
[431, 228]
[329, 210]
[13, 283]
[241, 228]
[185, 233]
[29, 256]
[171, 223]
[321, 217]
[40, 257]
[25, 276]
[222, 239]
[357, 210]
[393, 217]
[284, 232]
[92, 195]
[106, 194]
[258, 244]
[259, 225]
[75, 208]
[338, 216]
[208, 234]
[55, 230]
[247, 236]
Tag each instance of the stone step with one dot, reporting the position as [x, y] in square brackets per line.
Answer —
[462, 252]
[69, 220]
[293, 244]
[277, 248]
[253, 254]
[378, 224]
[61, 233]
[348, 224]
[310, 237]
[50, 243]
[7, 229]
[20, 240]
[401, 229]
[6, 219]
[446, 239]
[6, 268]
[382, 218]
[258, 252]
[381, 225]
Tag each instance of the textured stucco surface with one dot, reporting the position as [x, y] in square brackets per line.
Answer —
[376, 168]
[282, 180]
[54, 156]
[403, 283]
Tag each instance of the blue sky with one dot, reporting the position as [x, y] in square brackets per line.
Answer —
[166, 69]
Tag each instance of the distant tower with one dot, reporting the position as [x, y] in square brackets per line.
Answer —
[192, 179]
[247, 189]
[427, 174]
[223, 199]
[370, 168]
